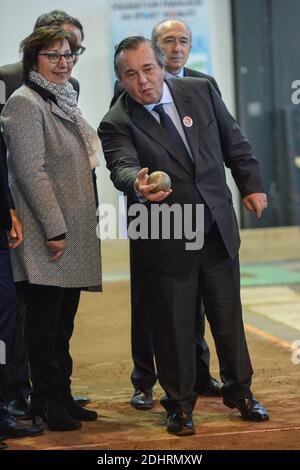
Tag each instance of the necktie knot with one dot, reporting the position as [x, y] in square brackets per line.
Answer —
[159, 109]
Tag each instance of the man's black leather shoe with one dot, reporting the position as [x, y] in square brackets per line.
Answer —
[213, 388]
[81, 400]
[250, 409]
[10, 427]
[2, 445]
[142, 399]
[180, 424]
[19, 408]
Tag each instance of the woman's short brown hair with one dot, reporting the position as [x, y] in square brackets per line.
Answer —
[40, 39]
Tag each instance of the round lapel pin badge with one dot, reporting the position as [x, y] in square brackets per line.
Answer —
[187, 121]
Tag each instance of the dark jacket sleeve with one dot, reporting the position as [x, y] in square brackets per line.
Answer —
[5, 172]
[237, 151]
[5, 196]
[214, 83]
[194, 73]
[75, 85]
[11, 77]
[3, 91]
[120, 155]
[118, 90]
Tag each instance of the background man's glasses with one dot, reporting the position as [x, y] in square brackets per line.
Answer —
[54, 57]
[80, 50]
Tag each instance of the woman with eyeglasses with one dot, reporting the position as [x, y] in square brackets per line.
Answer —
[51, 151]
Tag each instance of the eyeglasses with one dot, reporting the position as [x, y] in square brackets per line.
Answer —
[54, 57]
[80, 50]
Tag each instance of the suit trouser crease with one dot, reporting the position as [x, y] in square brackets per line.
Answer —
[215, 278]
[220, 287]
[8, 314]
[143, 375]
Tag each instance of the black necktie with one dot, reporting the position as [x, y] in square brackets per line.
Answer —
[169, 126]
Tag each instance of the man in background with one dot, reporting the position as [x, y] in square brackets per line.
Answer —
[9, 425]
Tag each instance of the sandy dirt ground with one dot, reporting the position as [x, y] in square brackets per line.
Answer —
[102, 366]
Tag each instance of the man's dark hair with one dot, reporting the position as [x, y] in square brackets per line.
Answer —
[58, 18]
[40, 39]
[155, 31]
[134, 42]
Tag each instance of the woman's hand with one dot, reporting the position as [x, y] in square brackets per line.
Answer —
[16, 232]
[58, 247]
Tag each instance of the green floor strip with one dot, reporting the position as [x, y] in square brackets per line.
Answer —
[269, 274]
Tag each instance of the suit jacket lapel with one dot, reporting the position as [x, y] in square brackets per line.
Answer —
[143, 119]
[48, 96]
[185, 108]
[59, 112]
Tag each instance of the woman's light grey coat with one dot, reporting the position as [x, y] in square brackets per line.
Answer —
[51, 182]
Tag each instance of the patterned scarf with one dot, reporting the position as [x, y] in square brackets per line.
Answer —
[66, 99]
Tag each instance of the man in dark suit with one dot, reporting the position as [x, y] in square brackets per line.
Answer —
[9, 426]
[11, 78]
[175, 39]
[182, 127]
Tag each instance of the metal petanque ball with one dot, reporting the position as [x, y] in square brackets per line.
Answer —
[161, 179]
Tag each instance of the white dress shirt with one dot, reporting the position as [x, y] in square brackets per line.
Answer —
[170, 108]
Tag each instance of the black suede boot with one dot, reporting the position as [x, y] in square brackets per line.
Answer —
[77, 412]
[54, 414]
